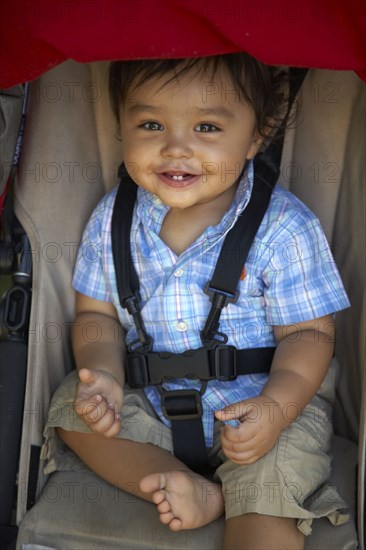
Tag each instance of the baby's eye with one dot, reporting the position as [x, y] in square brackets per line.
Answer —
[152, 126]
[206, 127]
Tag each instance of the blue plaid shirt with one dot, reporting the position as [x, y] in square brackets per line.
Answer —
[290, 277]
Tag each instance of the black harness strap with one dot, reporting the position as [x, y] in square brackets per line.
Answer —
[222, 363]
[184, 410]
[127, 280]
[234, 252]
[240, 239]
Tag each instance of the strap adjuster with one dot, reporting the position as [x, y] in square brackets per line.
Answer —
[132, 304]
[220, 298]
[225, 363]
[181, 404]
[137, 374]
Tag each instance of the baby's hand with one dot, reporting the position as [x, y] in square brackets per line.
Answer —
[98, 401]
[261, 423]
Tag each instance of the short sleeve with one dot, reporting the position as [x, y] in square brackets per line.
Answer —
[302, 281]
[89, 275]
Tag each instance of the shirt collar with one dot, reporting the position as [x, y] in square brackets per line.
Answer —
[242, 194]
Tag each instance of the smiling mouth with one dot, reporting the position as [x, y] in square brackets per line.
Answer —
[180, 179]
[178, 176]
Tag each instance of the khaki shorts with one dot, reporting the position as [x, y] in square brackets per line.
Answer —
[289, 481]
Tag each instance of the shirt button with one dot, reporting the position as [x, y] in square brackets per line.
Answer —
[182, 326]
[178, 273]
[156, 200]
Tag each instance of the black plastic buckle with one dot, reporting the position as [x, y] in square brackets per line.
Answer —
[225, 363]
[192, 364]
[187, 406]
[220, 298]
[132, 304]
[137, 375]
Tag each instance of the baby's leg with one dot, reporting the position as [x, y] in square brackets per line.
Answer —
[121, 462]
[260, 532]
[185, 500]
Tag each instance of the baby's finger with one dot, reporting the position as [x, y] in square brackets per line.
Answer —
[247, 457]
[88, 388]
[86, 376]
[91, 410]
[107, 425]
[235, 410]
[240, 451]
[243, 411]
[115, 408]
[114, 429]
[230, 439]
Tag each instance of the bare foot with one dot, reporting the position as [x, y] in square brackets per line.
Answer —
[184, 499]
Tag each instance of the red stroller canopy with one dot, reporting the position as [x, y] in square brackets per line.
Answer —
[38, 34]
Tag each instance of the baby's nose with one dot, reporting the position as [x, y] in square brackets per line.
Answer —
[177, 146]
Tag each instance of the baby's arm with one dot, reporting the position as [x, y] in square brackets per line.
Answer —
[99, 350]
[299, 366]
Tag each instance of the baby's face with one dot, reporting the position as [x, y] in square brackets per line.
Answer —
[187, 141]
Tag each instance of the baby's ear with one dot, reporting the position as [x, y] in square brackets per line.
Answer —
[257, 141]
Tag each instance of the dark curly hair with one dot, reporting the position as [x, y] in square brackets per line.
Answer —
[264, 87]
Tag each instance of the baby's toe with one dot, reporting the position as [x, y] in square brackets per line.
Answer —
[159, 497]
[152, 483]
[175, 524]
[166, 518]
[164, 507]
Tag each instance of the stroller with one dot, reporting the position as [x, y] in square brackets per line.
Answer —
[69, 159]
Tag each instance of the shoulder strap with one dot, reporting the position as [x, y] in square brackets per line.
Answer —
[127, 280]
[222, 289]
[240, 238]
